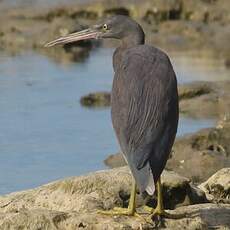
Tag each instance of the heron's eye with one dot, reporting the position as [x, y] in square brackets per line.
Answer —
[105, 27]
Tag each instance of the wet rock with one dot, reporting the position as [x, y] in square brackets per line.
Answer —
[217, 187]
[195, 89]
[99, 99]
[79, 50]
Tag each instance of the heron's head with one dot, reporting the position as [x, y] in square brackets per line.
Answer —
[118, 27]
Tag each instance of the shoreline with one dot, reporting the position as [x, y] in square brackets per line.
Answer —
[71, 203]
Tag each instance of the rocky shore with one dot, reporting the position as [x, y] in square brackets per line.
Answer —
[73, 203]
[203, 192]
[172, 25]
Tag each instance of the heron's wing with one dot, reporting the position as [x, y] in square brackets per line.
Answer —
[145, 100]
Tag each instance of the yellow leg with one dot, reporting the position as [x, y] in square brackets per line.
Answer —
[159, 210]
[130, 211]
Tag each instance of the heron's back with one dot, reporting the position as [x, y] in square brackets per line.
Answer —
[144, 106]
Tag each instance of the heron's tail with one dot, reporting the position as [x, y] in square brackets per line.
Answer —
[150, 189]
[144, 179]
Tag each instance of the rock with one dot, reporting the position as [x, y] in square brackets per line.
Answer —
[217, 187]
[206, 151]
[176, 24]
[115, 160]
[25, 32]
[177, 191]
[84, 193]
[201, 216]
[100, 190]
[98, 99]
[227, 62]
[163, 10]
[205, 99]
[72, 204]
[194, 89]
[74, 201]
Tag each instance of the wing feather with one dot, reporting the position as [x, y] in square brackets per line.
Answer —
[142, 98]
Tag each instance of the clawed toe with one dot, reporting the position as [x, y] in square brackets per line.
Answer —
[118, 211]
[148, 209]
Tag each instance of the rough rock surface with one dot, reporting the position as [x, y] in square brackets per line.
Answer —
[205, 99]
[115, 160]
[98, 99]
[217, 187]
[72, 203]
[206, 151]
[100, 190]
[200, 216]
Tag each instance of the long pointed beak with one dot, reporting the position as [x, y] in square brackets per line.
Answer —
[73, 37]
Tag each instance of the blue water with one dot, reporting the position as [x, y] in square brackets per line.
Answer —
[45, 133]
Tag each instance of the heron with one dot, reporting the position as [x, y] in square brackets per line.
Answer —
[144, 104]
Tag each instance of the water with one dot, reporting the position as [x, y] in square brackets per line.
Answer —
[45, 133]
[192, 68]
[38, 4]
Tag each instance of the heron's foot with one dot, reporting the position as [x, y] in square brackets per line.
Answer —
[119, 211]
[148, 209]
[159, 212]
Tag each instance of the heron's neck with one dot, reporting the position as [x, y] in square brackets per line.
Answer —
[132, 40]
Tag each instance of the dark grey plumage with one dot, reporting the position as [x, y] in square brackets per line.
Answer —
[144, 106]
[144, 98]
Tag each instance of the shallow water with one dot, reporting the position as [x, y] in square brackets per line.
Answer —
[45, 133]
[7, 4]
